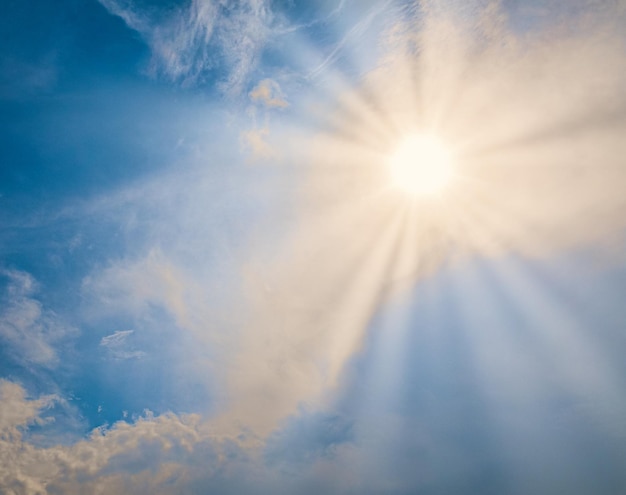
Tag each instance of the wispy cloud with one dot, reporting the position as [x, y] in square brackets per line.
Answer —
[19, 77]
[203, 41]
[118, 347]
[115, 339]
[26, 327]
[134, 285]
[352, 36]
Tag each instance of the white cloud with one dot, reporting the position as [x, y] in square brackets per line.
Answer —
[255, 140]
[17, 411]
[264, 97]
[117, 346]
[267, 92]
[135, 285]
[353, 36]
[191, 41]
[155, 454]
[26, 326]
[115, 339]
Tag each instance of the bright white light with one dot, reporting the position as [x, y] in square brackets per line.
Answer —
[421, 165]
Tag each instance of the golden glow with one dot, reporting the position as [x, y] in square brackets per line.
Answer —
[421, 165]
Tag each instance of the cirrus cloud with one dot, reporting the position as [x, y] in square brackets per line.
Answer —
[190, 42]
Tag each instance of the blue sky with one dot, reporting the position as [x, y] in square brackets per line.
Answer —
[209, 282]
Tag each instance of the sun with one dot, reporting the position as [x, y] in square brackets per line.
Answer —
[421, 165]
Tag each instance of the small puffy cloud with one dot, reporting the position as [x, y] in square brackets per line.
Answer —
[255, 140]
[117, 346]
[25, 325]
[269, 94]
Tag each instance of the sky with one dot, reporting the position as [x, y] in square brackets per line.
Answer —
[210, 283]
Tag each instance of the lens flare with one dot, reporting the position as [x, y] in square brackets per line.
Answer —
[421, 165]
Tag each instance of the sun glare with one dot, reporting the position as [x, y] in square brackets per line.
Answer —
[421, 165]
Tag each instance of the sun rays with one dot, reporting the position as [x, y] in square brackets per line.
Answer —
[344, 246]
[436, 119]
